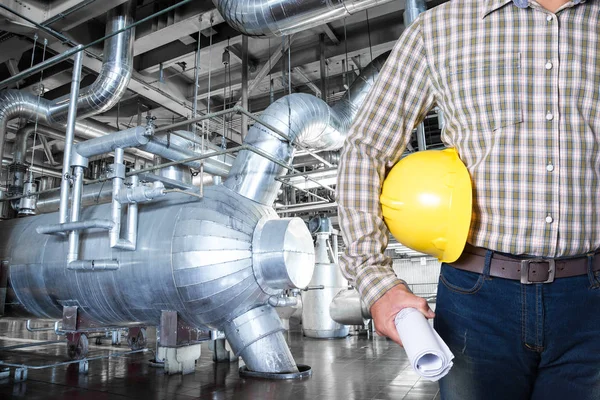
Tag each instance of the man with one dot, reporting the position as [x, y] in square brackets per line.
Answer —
[519, 84]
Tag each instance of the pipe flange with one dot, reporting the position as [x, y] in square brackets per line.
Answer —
[304, 372]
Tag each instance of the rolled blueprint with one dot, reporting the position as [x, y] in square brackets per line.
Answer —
[429, 356]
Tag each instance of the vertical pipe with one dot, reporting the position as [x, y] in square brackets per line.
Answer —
[132, 216]
[196, 79]
[70, 133]
[335, 245]
[244, 130]
[421, 137]
[117, 183]
[73, 254]
[323, 68]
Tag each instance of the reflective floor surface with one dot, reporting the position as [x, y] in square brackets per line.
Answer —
[353, 368]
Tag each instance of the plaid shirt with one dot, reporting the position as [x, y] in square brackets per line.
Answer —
[519, 87]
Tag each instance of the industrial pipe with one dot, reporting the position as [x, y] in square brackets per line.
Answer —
[307, 121]
[347, 308]
[284, 17]
[102, 95]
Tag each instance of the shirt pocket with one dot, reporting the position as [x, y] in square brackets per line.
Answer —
[485, 91]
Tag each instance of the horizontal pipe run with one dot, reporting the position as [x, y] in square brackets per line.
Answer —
[169, 183]
[283, 301]
[94, 265]
[306, 174]
[184, 192]
[43, 329]
[102, 224]
[177, 153]
[34, 367]
[316, 196]
[316, 207]
[187, 160]
[132, 137]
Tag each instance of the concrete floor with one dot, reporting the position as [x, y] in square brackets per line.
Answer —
[354, 368]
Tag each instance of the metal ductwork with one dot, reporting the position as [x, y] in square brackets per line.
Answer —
[99, 97]
[284, 17]
[306, 120]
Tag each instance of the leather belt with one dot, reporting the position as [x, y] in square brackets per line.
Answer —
[526, 270]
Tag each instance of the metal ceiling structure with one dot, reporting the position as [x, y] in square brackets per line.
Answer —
[322, 60]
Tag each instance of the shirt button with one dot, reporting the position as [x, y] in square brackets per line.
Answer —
[549, 219]
[549, 167]
[548, 65]
[549, 116]
[549, 18]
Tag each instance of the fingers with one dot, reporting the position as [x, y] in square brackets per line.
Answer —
[420, 304]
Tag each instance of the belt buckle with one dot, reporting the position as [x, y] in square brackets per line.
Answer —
[525, 270]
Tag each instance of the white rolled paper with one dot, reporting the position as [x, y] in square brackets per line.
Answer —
[429, 356]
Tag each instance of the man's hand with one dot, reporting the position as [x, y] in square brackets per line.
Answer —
[385, 309]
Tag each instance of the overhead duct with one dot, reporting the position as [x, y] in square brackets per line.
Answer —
[305, 120]
[99, 97]
[284, 17]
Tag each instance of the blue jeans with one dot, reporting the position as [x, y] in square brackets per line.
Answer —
[514, 341]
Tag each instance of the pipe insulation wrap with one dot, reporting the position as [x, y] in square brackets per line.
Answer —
[306, 120]
[102, 95]
[284, 17]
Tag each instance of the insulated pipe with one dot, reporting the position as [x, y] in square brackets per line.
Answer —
[73, 253]
[114, 76]
[69, 137]
[98, 193]
[133, 137]
[102, 95]
[305, 120]
[174, 152]
[284, 17]
[347, 308]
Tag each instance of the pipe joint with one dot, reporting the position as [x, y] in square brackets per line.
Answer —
[141, 193]
[94, 265]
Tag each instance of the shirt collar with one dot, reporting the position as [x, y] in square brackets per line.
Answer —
[493, 5]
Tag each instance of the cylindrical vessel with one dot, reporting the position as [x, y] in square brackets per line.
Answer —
[195, 257]
[316, 321]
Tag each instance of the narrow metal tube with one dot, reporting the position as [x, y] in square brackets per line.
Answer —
[117, 183]
[244, 130]
[94, 265]
[422, 143]
[132, 217]
[196, 79]
[73, 253]
[176, 153]
[323, 65]
[103, 224]
[70, 134]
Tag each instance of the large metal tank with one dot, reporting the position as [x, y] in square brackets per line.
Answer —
[214, 260]
[326, 282]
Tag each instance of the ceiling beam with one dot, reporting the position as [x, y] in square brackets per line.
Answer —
[331, 34]
[185, 21]
[267, 66]
[298, 71]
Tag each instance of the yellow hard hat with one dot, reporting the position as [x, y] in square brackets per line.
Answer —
[427, 203]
